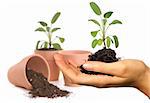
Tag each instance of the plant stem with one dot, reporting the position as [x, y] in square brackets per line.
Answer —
[101, 24]
[103, 37]
[50, 37]
[107, 27]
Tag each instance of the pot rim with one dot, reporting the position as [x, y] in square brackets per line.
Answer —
[74, 52]
[42, 58]
[46, 50]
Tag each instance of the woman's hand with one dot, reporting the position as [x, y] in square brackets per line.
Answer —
[125, 73]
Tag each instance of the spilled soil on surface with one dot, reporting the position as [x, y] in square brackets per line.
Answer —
[42, 88]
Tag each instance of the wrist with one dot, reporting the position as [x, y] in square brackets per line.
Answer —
[143, 84]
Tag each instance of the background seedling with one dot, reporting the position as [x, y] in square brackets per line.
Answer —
[48, 29]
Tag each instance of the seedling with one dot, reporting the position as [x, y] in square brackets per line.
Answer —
[49, 30]
[105, 39]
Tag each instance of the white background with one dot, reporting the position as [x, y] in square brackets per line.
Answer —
[18, 20]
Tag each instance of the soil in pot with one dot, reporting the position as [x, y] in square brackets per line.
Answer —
[48, 49]
[42, 88]
[103, 55]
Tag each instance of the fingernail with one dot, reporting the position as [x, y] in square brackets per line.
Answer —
[86, 65]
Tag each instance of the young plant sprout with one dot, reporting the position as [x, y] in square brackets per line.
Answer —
[103, 25]
[106, 54]
[49, 30]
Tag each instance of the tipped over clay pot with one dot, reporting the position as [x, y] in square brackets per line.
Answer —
[17, 73]
[49, 56]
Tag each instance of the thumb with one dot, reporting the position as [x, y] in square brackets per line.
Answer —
[115, 68]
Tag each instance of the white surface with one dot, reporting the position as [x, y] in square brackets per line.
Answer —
[78, 95]
[18, 20]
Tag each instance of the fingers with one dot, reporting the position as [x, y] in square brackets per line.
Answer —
[71, 72]
[74, 76]
[69, 82]
[116, 68]
[64, 66]
[102, 80]
[73, 65]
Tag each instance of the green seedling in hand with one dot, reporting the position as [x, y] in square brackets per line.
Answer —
[48, 29]
[103, 25]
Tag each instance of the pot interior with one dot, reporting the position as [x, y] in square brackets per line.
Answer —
[38, 64]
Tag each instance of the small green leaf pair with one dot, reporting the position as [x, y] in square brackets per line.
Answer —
[96, 42]
[47, 28]
[103, 28]
[108, 40]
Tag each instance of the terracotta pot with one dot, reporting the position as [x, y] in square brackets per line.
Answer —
[76, 58]
[17, 73]
[49, 56]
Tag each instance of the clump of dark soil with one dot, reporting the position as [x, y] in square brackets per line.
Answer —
[103, 55]
[42, 88]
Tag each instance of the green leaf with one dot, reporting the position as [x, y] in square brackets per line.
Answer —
[116, 41]
[115, 22]
[55, 29]
[44, 44]
[94, 33]
[40, 29]
[108, 41]
[42, 23]
[55, 17]
[100, 41]
[95, 21]
[47, 29]
[95, 8]
[94, 43]
[57, 46]
[61, 39]
[108, 14]
[37, 44]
